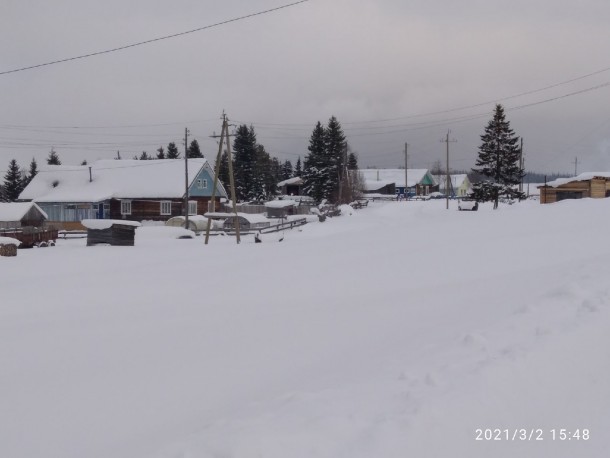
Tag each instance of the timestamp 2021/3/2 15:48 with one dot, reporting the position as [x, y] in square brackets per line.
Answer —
[532, 434]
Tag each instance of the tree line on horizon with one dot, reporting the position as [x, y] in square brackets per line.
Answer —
[329, 170]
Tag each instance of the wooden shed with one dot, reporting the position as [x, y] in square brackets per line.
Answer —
[280, 208]
[591, 184]
[16, 215]
[110, 232]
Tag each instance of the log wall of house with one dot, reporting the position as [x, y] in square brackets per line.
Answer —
[147, 209]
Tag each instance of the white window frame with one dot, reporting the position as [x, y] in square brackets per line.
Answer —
[191, 204]
[166, 207]
[125, 207]
[202, 183]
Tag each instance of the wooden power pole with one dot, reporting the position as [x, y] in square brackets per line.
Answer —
[224, 135]
[447, 177]
[406, 172]
[186, 179]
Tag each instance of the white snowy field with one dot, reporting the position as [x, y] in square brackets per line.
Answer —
[397, 331]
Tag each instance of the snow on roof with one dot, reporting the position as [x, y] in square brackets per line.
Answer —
[373, 185]
[15, 211]
[294, 180]
[582, 177]
[112, 179]
[107, 223]
[397, 176]
[280, 203]
[9, 241]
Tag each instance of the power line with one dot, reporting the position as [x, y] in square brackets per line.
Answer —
[152, 40]
[450, 110]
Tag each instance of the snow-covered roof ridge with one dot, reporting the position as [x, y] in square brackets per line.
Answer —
[107, 223]
[106, 179]
[396, 176]
[15, 211]
[374, 185]
[280, 203]
[293, 180]
[582, 177]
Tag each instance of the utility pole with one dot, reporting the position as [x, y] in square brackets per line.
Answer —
[406, 172]
[447, 182]
[224, 135]
[186, 179]
[575, 166]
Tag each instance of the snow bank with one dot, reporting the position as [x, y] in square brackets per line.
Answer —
[156, 233]
[352, 338]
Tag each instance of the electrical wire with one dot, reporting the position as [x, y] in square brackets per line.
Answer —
[152, 40]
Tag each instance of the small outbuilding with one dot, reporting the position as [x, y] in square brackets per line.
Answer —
[110, 232]
[590, 184]
[291, 186]
[16, 215]
[280, 208]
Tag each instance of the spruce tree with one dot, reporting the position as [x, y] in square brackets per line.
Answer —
[32, 172]
[84, 162]
[244, 149]
[144, 156]
[315, 170]
[194, 150]
[287, 170]
[352, 161]
[172, 151]
[298, 169]
[13, 182]
[53, 158]
[498, 161]
[264, 183]
[160, 153]
[335, 152]
[223, 171]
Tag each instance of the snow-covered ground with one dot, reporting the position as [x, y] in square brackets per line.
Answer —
[396, 331]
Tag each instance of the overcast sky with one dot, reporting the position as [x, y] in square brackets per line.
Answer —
[381, 67]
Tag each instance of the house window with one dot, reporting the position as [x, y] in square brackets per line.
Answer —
[125, 207]
[166, 207]
[192, 207]
[202, 183]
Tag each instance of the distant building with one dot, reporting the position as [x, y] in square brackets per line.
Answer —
[459, 184]
[590, 184]
[379, 187]
[421, 182]
[291, 186]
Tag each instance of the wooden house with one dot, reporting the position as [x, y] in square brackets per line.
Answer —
[591, 184]
[127, 189]
[459, 184]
